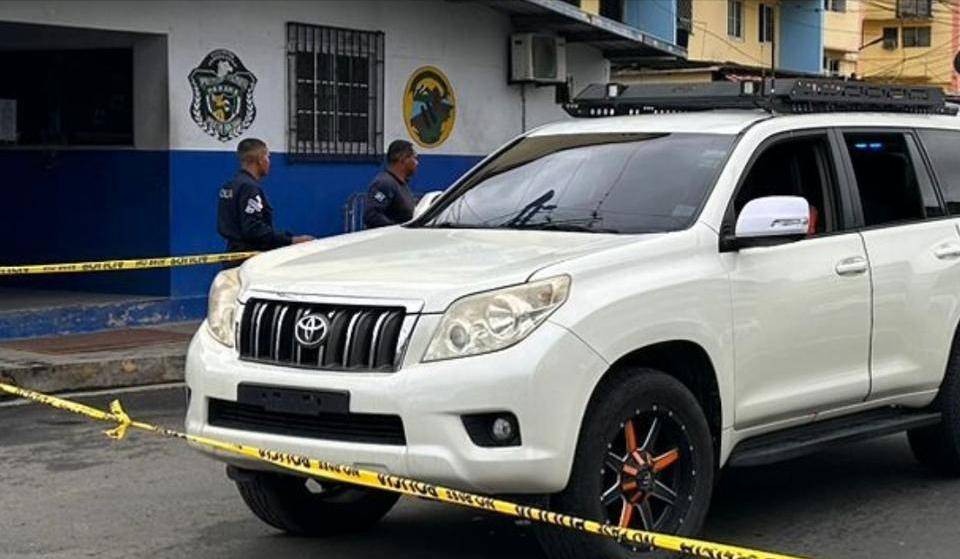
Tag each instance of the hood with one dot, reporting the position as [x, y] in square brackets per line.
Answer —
[432, 266]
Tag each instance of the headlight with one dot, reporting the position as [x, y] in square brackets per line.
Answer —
[496, 320]
[222, 305]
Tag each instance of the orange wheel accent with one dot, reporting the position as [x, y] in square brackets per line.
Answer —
[626, 515]
[630, 470]
[630, 434]
[629, 486]
[665, 460]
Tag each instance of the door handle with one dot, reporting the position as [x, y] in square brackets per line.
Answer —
[947, 251]
[851, 266]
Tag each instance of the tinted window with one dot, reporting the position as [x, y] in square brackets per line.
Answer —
[943, 147]
[798, 167]
[887, 179]
[615, 183]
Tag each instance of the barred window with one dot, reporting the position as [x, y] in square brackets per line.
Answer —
[335, 102]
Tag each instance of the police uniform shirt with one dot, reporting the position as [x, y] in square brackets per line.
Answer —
[245, 217]
[389, 201]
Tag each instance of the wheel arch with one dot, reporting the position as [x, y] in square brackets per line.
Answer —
[689, 363]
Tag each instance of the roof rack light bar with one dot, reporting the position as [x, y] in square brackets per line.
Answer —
[792, 95]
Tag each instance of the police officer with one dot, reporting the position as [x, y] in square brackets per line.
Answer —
[389, 198]
[244, 217]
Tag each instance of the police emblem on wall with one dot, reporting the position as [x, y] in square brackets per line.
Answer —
[429, 107]
[222, 95]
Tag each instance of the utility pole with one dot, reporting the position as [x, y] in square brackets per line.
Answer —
[773, 51]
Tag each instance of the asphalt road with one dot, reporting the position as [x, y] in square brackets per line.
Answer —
[67, 491]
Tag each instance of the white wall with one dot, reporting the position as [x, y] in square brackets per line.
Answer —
[151, 105]
[468, 42]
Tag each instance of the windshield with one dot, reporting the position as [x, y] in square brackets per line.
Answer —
[598, 183]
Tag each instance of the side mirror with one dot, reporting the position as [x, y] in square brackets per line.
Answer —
[772, 219]
[425, 202]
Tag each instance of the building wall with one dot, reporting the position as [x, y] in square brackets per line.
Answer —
[91, 204]
[308, 197]
[841, 30]
[931, 65]
[801, 37]
[656, 17]
[709, 40]
[86, 205]
[592, 6]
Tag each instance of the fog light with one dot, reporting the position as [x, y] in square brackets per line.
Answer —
[493, 429]
[501, 430]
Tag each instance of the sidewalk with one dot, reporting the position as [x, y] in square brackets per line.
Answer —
[109, 359]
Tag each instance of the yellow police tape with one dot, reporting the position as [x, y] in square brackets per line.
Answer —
[349, 474]
[117, 265]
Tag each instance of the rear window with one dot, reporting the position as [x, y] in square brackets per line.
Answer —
[943, 147]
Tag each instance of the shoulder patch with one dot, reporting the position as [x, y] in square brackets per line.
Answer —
[379, 196]
[254, 205]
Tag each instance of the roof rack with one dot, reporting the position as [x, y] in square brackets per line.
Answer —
[792, 95]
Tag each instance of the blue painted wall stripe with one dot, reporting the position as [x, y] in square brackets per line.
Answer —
[308, 198]
[75, 319]
[104, 204]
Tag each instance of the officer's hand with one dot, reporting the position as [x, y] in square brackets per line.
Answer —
[297, 239]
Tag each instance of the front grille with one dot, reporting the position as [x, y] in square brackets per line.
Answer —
[348, 427]
[359, 338]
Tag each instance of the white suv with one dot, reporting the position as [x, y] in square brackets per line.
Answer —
[603, 313]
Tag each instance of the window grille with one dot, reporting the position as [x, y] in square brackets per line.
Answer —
[335, 93]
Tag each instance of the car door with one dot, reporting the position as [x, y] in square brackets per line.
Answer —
[801, 310]
[914, 254]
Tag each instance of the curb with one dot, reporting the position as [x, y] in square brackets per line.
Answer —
[161, 365]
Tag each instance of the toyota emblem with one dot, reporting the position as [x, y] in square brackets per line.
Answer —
[312, 330]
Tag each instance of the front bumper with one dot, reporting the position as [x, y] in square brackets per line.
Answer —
[546, 381]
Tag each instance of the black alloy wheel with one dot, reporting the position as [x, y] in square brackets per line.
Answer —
[644, 460]
[647, 476]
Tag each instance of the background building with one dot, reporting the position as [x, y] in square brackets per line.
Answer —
[122, 118]
[911, 41]
[119, 119]
[901, 41]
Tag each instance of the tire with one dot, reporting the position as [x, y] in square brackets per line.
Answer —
[288, 503]
[635, 397]
[938, 446]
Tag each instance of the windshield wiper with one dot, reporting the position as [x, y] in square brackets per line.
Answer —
[562, 226]
[453, 225]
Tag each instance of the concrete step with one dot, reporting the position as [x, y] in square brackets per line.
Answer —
[111, 359]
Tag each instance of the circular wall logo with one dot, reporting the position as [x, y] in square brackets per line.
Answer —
[429, 107]
[222, 95]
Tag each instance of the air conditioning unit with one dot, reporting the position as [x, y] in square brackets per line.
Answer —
[538, 58]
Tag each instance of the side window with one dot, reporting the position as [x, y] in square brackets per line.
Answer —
[885, 166]
[943, 147]
[795, 167]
